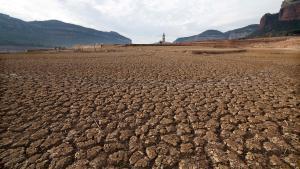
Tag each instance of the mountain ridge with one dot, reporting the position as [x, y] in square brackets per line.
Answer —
[50, 33]
[218, 35]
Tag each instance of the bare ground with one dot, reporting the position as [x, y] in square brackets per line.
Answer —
[150, 107]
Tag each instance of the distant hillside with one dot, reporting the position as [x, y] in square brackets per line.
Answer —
[217, 35]
[206, 35]
[52, 33]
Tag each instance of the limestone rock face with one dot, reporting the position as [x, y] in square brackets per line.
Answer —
[286, 3]
[286, 22]
[267, 21]
[290, 10]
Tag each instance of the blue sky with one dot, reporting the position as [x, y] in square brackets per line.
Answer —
[144, 21]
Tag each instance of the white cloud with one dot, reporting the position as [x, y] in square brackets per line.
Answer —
[145, 20]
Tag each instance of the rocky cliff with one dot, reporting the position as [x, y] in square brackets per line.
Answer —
[290, 10]
[268, 21]
[286, 22]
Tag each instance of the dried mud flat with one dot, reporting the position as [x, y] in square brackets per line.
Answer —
[150, 107]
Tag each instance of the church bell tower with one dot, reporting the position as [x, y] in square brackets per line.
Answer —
[163, 38]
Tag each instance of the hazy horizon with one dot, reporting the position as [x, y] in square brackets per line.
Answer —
[144, 21]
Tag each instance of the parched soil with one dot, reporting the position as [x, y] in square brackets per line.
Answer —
[267, 42]
[150, 107]
[217, 51]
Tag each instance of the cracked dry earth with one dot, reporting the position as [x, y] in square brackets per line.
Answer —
[150, 107]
